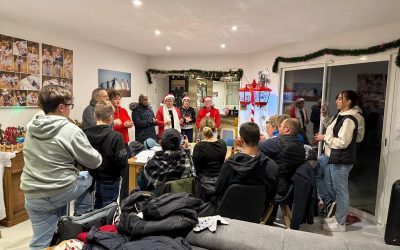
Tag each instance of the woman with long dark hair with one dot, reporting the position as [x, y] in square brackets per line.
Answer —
[342, 133]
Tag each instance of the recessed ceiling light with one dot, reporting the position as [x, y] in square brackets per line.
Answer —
[168, 48]
[223, 46]
[137, 3]
[157, 32]
[363, 58]
[234, 28]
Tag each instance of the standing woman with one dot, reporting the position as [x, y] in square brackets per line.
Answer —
[210, 111]
[189, 117]
[122, 122]
[168, 116]
[340, 146]
[208, 157]
[143, 117]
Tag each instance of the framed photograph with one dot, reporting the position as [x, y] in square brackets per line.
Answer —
[309, 91]
[179, 87]
[116, 80]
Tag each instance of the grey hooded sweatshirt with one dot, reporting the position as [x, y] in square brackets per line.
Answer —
[52, 147]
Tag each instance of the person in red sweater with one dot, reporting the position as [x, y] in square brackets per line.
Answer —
[122, 121]
[210, 111]
[168, 116]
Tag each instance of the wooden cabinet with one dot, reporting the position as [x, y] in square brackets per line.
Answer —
[13, 195]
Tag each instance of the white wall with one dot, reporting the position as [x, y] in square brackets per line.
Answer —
[88, 58]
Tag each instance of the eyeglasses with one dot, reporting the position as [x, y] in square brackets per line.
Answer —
[69, 104]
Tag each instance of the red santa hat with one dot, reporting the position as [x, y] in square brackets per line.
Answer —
[169, 95]
[207, 98]
[186, 98]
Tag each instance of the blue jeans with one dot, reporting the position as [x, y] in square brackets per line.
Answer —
[320, 170]
[106, 193]
[336, 179]
[44, 212]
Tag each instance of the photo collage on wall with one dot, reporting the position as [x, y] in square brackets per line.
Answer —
[20, 79]
[19, 72]
[57, 64]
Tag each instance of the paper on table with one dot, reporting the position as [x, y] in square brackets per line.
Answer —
[144, 156]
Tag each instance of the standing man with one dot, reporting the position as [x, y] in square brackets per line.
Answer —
[189, 117]
[88, 119]
[208, 110]
[50, 179]
[144, 119]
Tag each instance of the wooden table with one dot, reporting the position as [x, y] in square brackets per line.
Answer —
[134, 170]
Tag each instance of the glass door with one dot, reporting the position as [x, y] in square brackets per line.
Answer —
[369, 81]
[306, 84]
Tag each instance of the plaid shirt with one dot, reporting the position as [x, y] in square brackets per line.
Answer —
[168, 165]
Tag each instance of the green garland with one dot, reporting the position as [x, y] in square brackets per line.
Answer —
[341, 52]
[211, 75]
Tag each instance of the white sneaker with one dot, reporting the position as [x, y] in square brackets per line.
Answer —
[334, 226]
[328, 220]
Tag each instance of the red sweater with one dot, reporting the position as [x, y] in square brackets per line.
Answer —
[160, 119]
[212, 112]
[120, 113]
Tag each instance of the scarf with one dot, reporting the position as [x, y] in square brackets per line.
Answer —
[302, 118]
[168, 165]
[166, 110]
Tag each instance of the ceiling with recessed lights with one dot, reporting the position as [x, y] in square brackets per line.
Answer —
[201, 27]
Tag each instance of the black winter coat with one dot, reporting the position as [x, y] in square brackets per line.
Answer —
[171, 214]
[142, 117]
[305, 196]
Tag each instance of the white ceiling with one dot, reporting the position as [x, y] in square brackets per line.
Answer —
[198, 27]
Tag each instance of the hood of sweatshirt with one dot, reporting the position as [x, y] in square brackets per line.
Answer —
[97, 134]
[356, 112]
[245, 164]
[46, 127]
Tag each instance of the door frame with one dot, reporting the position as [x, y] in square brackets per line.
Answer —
[388, 56]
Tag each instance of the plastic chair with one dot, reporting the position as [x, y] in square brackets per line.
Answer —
[227, 133]
[243, 202]
[178, 186]
[229, 142]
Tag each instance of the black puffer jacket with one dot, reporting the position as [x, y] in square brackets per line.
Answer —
[288, 152]
[142, 117]
[171, 214]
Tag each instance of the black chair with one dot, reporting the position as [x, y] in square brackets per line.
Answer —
[284, 203]
[243, 202]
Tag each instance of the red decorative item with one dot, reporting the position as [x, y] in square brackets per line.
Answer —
[10, 136]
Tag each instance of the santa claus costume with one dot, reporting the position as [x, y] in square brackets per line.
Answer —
[208, 110]
[168, 116]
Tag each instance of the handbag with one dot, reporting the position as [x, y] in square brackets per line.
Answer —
[70, 226]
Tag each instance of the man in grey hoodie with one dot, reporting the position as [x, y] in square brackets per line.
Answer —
[50, 179]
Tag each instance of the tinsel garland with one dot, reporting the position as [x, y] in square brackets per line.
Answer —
[341, 52]
[211, 75]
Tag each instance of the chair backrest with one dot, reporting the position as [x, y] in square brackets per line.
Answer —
[178, 186]
[243, 202]
[229, 142]
[227, 133]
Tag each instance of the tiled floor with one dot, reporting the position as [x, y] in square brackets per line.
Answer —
[17, 237]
